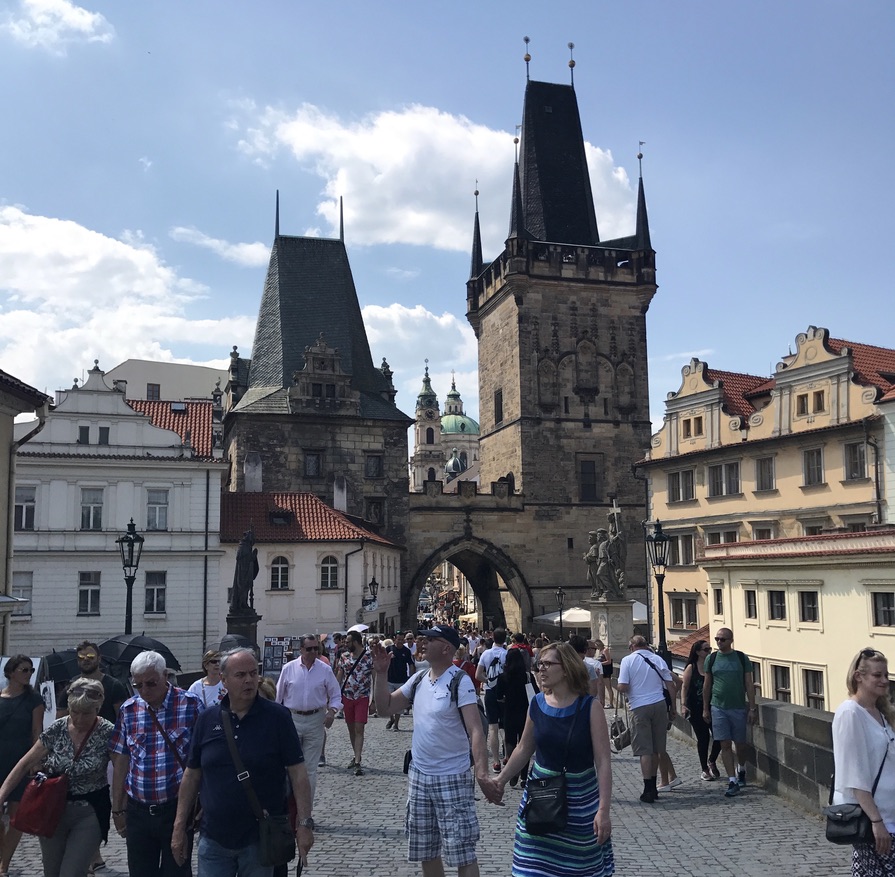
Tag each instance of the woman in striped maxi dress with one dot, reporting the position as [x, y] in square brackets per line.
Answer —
[583, 848]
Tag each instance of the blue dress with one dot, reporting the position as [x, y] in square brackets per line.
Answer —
[573, 852]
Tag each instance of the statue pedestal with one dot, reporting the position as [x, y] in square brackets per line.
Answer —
[613, 622]
[245, 624]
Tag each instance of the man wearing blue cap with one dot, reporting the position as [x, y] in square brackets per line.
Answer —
[441, 824]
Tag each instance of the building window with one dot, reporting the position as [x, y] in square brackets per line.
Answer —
[782, 683]
[680, 485]
[88, 593]
[756, 677]
[855, 466]
[722, 537]
[777, 605]
[762, 533]
[856, 526]
[279, 574]
[498, 406]
[802, 405]
[373, 466]
[430, 436]
[884, 609]
[764, 473]
[91, 508]
[83, 435]
[813, 466]
[156, 509]
[26, 499]
[329, 573]
[812, 528]
[751, 599]
[104, 435]
[590, 478]
[153, 392]
[156, 584]
[814, 689]
[819, 403]
[680, 550]
[683, 611]
[724, 479]
[809, 606]
[313, 464]
[687, 427]
[430, 475]
[374, 510]
[22, 587]
[718, 596]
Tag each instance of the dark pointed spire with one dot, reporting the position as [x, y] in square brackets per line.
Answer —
[276, 227]
[478, 262]
[517, 214]
[341, 221]
[642, 233]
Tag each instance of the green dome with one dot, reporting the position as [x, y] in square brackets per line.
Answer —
[458, 424]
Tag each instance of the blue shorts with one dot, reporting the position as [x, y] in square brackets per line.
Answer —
[729, 724]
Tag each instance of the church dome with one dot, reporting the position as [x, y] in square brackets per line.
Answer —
[453, 424]
[454, 466]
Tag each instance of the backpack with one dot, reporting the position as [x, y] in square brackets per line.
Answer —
[707, 669]
[454, 688]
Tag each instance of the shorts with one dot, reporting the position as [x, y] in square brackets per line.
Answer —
[356, 711]
[441, 820]
[493, 708]
[729, 724]
[649, 728]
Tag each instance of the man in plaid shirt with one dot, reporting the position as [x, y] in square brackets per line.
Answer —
[149, 751]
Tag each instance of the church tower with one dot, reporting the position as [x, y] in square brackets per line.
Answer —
[427, 462]
[560, 317]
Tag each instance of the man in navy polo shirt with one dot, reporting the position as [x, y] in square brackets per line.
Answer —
[268, 745]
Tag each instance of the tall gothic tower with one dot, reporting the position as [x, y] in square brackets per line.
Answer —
[560, 318]
[427, 462]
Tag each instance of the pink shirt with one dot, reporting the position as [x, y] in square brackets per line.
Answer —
[300, 688]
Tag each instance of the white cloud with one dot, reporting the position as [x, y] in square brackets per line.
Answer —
[249, 255]
[145, 162]
[53, 24]
[407, 176]
[402, 274]
[69, 295]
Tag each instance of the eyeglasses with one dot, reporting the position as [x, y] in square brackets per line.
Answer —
[214, 661]
[312, 648]
[721, 639]
[86, 656]
[546, 665]
[149, 683]
[706, 649]
[28, 670]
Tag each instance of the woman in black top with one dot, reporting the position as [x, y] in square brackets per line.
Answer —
[510, 687]
[691, 697]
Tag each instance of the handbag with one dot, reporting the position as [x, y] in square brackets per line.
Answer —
[665, 693]
[276, 838]
[547, 805]
[848, 823]
[619, 732]
[43, 801]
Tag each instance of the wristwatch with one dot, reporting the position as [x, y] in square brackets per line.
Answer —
[305, 823]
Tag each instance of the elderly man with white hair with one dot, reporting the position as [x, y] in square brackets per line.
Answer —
[149, 752]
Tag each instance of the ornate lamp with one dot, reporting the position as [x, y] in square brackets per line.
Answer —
[131, 546]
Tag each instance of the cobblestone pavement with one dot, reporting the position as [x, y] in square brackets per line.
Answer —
[693, 830]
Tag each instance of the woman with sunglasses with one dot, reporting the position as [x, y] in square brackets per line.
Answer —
[209, 689]
[691, 696]
[21, 721]
[864, 758]
[77, 744]
[565, 730]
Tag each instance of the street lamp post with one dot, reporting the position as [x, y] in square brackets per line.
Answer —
[131, 546]
[560, 600]
[657, 545]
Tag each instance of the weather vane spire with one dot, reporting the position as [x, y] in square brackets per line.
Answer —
[526, 56]
[476, 193]
[572, 63]
[640, 144]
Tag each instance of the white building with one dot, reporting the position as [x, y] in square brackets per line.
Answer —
[97, 463]
[174, 381]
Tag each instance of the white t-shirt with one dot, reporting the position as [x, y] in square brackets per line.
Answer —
[859, 743]
[489, 656]
[210, 695]
[596, 666]
[646, 686]
[440, 746]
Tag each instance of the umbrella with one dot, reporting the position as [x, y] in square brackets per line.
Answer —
[236, 641]
[62, 666]
[360, 628]
[574, 616]
[122, 649]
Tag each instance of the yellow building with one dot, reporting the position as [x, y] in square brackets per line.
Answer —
[771, 489]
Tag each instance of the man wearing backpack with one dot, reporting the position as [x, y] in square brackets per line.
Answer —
[441, 822]
[490, 667]
[727, 688]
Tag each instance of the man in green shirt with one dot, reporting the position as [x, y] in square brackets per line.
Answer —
[725, 693]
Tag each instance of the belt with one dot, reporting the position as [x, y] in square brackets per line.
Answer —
[153, 809]
[306, 712]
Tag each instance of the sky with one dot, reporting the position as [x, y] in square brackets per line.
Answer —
[143, 143]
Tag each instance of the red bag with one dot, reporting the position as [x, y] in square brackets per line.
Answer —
[42, 805]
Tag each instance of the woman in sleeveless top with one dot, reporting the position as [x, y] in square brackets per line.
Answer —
[691, 697]
[604, 655]
[583, 847]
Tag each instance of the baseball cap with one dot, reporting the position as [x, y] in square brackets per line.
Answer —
[442, 631]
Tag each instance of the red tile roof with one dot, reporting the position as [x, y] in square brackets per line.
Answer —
[682, 647]
[308, 519]
[735, 387]
[873, 365]
[194, 418]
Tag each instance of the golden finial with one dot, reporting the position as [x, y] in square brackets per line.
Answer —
[526, 56]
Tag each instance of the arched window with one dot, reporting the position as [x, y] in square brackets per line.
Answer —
[464, 459]
[430, 436]
[430, 475]
[279, 574]
[329, 572]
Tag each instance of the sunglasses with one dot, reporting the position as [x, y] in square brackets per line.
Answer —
[86, 656]
[706, 649]
[214, 661]
[28, 670]
[312, 648]
[721, 639]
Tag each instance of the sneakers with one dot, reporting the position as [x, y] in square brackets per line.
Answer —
[713, 767]
[707, 776]
[322, 762]
[649, 797]
[358, 770]
[733, 789]
[390, 724]
[351, 764]
[677, 781]
[497, 766]
[741, 778]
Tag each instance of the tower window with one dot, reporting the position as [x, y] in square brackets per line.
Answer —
[153, 392]
[498, 406]
[430, 436]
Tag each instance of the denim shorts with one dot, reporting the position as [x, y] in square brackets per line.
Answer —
[729, 724]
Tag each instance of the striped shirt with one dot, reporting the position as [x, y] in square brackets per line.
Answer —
[154, 773]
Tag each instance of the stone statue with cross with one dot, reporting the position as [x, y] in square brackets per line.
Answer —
[606, 558]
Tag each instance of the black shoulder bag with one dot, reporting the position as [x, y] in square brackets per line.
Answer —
[353, 668]
[547, 808]
[665, 693]
[848, 823]
[276, 838]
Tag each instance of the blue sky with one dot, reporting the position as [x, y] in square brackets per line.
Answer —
[143, 144]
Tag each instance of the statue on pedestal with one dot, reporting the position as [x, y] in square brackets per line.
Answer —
[606, 558]
[244, 576]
